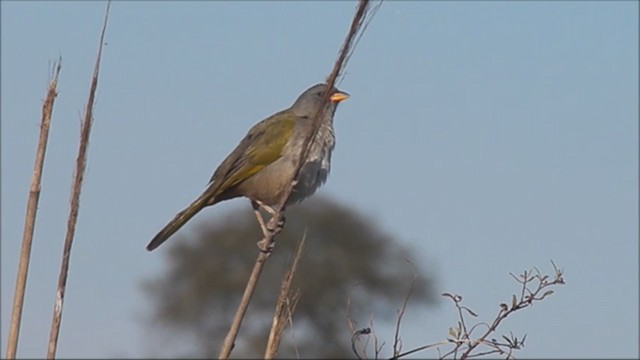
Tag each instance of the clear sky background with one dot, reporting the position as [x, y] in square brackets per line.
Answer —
[489, 136]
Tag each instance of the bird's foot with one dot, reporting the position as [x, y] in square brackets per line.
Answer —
[269, 229]
[265, 247]
[275, 225]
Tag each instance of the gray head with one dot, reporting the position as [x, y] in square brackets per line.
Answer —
[309, 101]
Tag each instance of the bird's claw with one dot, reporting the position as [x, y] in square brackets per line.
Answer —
[276, 225]
[264, 247]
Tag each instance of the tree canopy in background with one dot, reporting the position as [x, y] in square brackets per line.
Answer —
[346, 255]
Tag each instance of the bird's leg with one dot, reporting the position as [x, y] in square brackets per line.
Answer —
[274, 225]
[266, 228]
[280, 221]
[256, 209]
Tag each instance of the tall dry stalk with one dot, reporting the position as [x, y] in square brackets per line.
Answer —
[362, 10]
[81, 161]
[286, 304]
[30, 218]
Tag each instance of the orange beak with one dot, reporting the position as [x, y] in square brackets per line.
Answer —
[339, 96]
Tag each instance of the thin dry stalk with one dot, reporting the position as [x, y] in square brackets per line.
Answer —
[229, 340]
[285, 305]
[267, 242]
[30, 217]
[81, 161]
[376, 347]
[355, 334]
[293, 303]
[397, 342]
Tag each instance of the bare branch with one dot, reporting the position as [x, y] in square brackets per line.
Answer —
[534, 286]
[355, 338]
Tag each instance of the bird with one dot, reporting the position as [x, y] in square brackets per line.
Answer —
[263, 164]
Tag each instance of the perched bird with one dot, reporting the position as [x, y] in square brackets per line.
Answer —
[262, 166]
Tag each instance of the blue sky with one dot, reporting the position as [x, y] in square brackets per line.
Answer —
[489, 136]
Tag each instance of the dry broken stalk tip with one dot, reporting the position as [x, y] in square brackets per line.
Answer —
[30, 217]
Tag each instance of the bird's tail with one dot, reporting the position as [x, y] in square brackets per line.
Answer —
[179, 220]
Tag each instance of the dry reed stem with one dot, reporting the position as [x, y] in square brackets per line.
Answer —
[267, 241]
[74, 207]
[286, 301]
[30, 218]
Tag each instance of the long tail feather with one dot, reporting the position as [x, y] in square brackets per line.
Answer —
[179, 220]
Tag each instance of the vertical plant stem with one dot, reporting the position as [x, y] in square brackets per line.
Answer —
[30, 218]
[229, 340]
[81, 161]
[267, 241]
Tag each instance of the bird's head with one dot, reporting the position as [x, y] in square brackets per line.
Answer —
[310, 100]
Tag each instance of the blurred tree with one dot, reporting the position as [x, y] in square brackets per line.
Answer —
[195, 299]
